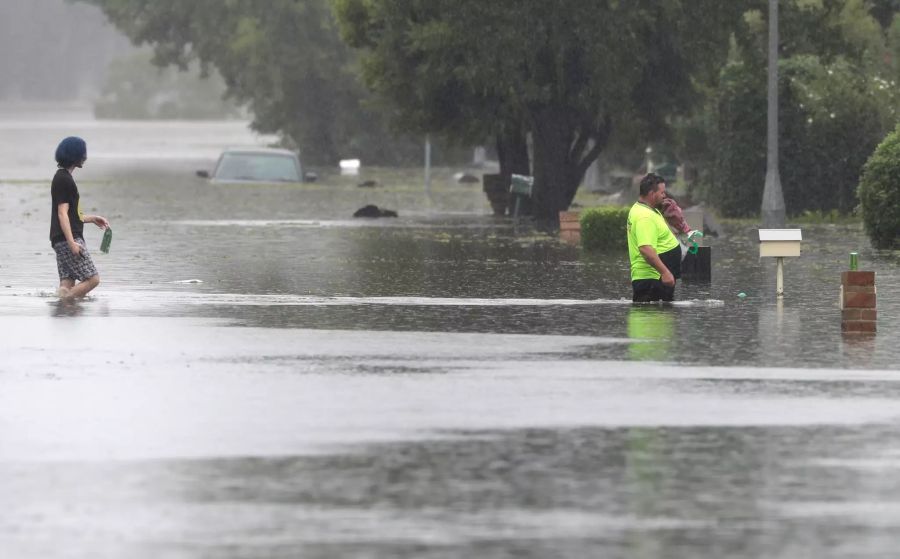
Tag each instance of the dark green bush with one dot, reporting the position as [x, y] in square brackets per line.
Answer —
[831, 118]
[604, 227]
[879, 192]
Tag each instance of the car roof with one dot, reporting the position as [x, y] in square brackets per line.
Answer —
[260, 151]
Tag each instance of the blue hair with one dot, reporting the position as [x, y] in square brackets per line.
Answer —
[71, 151]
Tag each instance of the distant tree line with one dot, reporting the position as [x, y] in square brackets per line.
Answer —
[54, 50]
[554, 84]
[136, 89]
[283, 60]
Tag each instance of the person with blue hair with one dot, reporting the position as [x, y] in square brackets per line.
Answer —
[73, 261]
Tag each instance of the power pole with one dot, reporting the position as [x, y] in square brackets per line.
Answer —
[428, 167]
[773, 197]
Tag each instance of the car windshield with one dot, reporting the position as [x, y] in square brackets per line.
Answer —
[257, 167]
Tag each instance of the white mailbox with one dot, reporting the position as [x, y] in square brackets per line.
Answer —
[779, 242]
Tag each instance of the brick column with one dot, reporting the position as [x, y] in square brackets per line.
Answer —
[858, 313]
[570, 227]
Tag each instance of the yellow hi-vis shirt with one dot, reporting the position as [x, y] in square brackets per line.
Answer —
[646, 226]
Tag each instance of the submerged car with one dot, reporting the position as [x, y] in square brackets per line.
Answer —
[257, 165]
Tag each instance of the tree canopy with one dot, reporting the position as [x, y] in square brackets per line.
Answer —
[838, 98]
[568, 72]
[554, 83]
[283, 58]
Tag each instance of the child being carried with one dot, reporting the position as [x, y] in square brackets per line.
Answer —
[686, 236]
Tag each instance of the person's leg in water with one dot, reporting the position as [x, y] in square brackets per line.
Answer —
[83, 288]
[652, 290]
[64, 286]
[646, 291]
[75, 267]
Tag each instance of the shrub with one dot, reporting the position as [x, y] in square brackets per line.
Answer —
[879, 190]
[604, 227]
[832, 115]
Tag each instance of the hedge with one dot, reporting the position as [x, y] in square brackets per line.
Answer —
[604, 227]
[879, 192]
[831, 117]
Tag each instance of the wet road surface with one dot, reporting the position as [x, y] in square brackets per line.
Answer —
[260, 375]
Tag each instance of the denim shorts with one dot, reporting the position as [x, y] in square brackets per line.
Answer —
[72, 266]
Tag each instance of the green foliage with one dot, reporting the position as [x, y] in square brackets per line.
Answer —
[831, 116]
[841, 62]
[570, 72]
[282, 58]
[884, 11]
[604, 227]
[818, 217]
[829, 29]
[893, 48]
[879, 191]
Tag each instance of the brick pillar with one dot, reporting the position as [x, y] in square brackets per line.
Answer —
[570, 227]
[858, 314]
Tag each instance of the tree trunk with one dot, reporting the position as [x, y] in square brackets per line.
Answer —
[512, 151]
[564, 148]
[512, 154]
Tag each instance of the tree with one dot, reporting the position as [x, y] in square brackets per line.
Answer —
[53, 51]
[421, 78]
[568, 72]
[885, 11]
[283, 58]
[836, 103]
[878, 192]
[832, 117]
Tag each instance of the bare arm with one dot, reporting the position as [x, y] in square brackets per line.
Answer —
[62, 211]
[97, 220]
[652, 258]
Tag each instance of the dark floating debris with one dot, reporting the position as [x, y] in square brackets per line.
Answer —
[373, 211]
[466, 178]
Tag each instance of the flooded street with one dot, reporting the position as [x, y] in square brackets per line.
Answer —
[259, 375]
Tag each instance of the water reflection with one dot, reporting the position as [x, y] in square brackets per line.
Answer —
[63, 308]
[443, 385]
[859, 348]
[652, 327]
[623, 493]
[780, 332]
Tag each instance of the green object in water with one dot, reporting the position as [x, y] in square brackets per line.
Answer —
[854, 261]
[107, 240]
[693, 236]
[742, 295]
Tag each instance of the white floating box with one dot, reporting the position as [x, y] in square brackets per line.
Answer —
[779, 242]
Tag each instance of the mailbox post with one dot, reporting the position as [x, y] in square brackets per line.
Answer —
[520, 186]
[779, 244]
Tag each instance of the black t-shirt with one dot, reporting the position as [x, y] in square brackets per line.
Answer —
[62, 191]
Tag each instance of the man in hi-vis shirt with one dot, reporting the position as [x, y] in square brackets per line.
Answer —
[652, 248]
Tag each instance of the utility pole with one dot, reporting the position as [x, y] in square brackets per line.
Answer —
[428, 167]
[773, 197]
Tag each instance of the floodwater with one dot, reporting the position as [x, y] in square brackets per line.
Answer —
[260, 375]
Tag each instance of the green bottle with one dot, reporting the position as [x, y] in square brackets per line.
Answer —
[107, 240]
